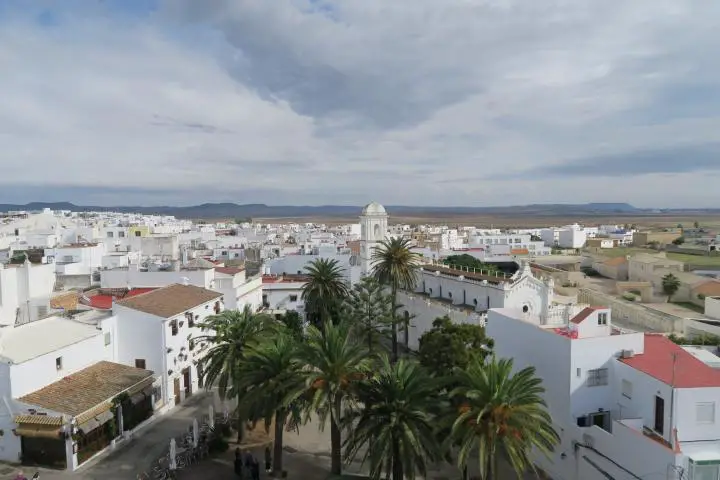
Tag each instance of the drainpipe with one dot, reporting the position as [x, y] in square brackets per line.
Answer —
[673, 440]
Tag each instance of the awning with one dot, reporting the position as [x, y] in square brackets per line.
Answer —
[93, 412]
[141, 387]
[142, 395]
[95, 422]
[38, 419]
[38, 431]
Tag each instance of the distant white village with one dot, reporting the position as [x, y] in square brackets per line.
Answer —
[94, 305]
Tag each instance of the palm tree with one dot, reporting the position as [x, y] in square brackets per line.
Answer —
[335, 361]
[395, 424]
[500, 412]
[274, 381]
[368, 307]
[230, 334]
[324, 291]
[395, 266]
[670, 285]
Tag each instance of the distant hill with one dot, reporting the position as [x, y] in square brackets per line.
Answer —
[232, 210]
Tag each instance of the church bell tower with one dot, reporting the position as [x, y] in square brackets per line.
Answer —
[373, 230]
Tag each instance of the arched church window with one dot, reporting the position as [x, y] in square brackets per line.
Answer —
[526, 309]
[376, 230]
[475, 301]
[449, 294]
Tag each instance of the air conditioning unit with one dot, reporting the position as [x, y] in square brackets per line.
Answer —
[627, 353]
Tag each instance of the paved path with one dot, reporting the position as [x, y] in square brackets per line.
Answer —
[306, 457]
[140, 451]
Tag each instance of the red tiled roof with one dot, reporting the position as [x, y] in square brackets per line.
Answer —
[585, 313]
[229, 270]
[657, 361]
[104, 301]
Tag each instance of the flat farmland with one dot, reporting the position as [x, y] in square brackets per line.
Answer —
[518, 220]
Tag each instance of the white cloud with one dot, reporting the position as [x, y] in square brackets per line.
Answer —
[410, 101]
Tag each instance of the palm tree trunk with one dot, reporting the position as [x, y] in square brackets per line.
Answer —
[240, 429]
[396, 461]
[335, 438]
[280, 416]
[394, 325]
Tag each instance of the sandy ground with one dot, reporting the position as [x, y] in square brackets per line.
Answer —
[517, 221]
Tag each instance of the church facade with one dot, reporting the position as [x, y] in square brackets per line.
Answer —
[463, 295]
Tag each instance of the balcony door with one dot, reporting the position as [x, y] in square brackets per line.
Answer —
[660, 415]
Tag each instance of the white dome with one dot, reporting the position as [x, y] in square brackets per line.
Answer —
[374, 208]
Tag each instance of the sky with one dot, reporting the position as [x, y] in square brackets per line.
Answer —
[405, 102]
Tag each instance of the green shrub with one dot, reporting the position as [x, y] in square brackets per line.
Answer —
[628, 296]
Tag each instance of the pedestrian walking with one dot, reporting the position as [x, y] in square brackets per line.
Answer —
[255, 469]
[238, 465]
[268, 460]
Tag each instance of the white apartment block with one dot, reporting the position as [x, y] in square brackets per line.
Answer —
[25, 291]
[626, 405]
[509, 244]
[570, 236]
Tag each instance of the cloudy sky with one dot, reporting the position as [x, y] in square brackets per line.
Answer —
[424, 102]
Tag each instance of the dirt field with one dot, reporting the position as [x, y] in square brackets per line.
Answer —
[510, 221]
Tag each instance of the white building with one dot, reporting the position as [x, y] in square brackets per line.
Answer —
[569, 236]
[373, 230]
[58, 381]
[626, 405]
[25, 291]
[283, 292]
[159, 331]
[238, 291]
[467, 296]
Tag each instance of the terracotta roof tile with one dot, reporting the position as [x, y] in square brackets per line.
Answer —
[229, 270]
[585, 313]
[657, 362]
[172, 300]
[710, 288]
[88, 388]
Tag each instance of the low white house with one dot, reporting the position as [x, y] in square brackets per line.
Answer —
[626, 405]
[238, 291]
[58, 381]
[159, 330]
[283, 292]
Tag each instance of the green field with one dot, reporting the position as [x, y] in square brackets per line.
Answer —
[681, 257]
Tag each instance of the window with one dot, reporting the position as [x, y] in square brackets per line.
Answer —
[578, 372]
[597, 377]
[109, 234]
[58, 363]
[190, 319]
[121, 234]
[137, 233]
[602, 318]
[293, 298]
[191, 344]
[108, 338]
[626, 389]
[157, 394]
[705, 412]
[174, 327]
[140, 363]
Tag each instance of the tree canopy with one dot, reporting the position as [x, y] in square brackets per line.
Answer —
[449, 345]
[468, 261]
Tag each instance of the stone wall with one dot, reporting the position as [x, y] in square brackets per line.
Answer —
[632, 315]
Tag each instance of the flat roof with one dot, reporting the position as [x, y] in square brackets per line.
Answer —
[24, 342]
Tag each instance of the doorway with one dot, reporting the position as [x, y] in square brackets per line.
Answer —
[187, 381]
[176, 390]
[659, 415]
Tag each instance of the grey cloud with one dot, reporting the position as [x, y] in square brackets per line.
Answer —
[669, 160]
